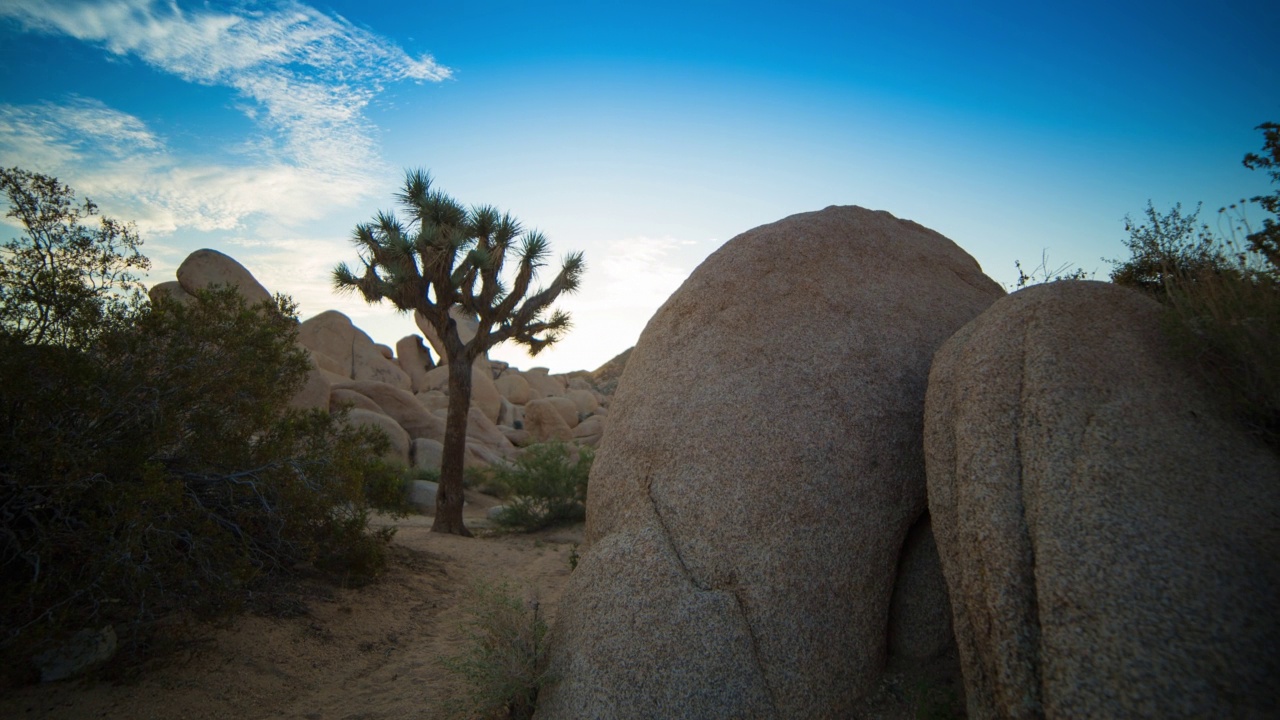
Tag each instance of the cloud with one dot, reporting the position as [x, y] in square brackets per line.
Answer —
[58, 134]
[115, 158]
[305, 77]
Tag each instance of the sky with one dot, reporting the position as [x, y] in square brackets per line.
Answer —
[645, 135]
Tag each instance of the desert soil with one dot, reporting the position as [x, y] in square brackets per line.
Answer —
[352, 654]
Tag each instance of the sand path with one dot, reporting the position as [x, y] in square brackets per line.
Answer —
[355, 654]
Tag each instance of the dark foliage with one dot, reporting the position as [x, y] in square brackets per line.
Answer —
[151, 472]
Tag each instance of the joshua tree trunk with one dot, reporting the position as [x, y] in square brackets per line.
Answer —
[449, 494]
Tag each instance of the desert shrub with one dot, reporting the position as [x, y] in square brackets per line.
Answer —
[1228, 325]
[150, 469]
[1045, 273]
[1167, 249]
[504, 665]
[483, 480]
[1222, 310]
[546, 485]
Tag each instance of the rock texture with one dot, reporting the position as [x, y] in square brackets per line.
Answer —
[545, 422]
[401, 406]
[1111, 543]
[415, 360]
[759, 474]
[398, 452]
[400, 391]
[351, 351]
[204, 268]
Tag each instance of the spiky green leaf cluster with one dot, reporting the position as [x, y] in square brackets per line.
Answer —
[445, 254]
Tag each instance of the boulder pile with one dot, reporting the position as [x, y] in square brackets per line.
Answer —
[840, 455]
[404, 391]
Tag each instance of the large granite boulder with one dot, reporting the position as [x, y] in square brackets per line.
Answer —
[314, 393]
[1110, 540]
[205, 268]
[415, 360]
[171, 290]
[349, 351]
[513, 387]
[484, 394]
[398, 452]
[760, 472]
[543, 384]
[544, 421]
[401, 406]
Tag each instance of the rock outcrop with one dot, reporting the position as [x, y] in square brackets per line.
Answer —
[400, 391]
[350, 351]
[204, 268]
[759, 475]
[1110, 541]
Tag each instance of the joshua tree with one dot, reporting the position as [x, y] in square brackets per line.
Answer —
[449, 256]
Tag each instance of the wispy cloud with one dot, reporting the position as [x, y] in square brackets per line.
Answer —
[304, 76]
[63, 132]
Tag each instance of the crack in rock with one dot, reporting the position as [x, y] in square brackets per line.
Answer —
[729, 588]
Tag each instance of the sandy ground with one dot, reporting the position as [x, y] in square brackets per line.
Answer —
[355, 654]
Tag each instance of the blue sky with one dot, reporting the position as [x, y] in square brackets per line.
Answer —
[644, 135]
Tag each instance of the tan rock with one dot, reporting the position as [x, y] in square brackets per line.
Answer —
[544, 421]
[478, 455]
[171, 290]
[427, 454]
[482, 431]
[437, 378]
[519, 438]
[339, 398]
[399, 451]
[510, 414]
[759, 475]
[331, 366]
[1110, 540]
[385, 351]
[585, 400]
[353, 353]
[206, 268]
[433, 400]
[414, 359]
[314, 393]
[593, 425]
[484, 394]
[513, 387]
[542, 383]
[568, 409]
[416, 420]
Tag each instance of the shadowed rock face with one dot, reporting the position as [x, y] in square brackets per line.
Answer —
[760, 471]
[1111, 543]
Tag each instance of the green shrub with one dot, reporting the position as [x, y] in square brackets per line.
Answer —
[504, 666]
[546, 485]
[1222, 311]
[150, 469]
[483, 480]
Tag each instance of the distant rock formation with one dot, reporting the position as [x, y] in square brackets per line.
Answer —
[401, 391]
[760, 475]
[1111, 541]
[607, 375]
